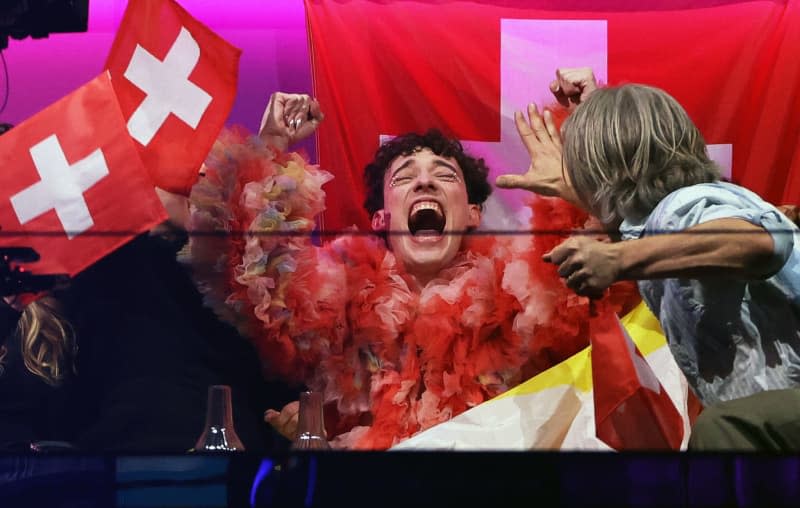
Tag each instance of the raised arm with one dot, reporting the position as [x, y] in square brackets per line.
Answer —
[289, 118]
[724, 247]
[573, 85]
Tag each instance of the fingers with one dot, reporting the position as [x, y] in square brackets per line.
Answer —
[573, 85]
[560, 252]
[567, 83]
[296, 111]
[579, 265]
[314, 111]
[285, 421]
[533, 131]
[302, 116]
[292, 110]
[558, 93]
[537, 125]
[271, 416]
[307, 121]
[552, 131]
[576, 279]
[582, 284]
[525, 132]
[575, 275]
[511, 181]
[569, 268]
[284, 114]
[289, 413]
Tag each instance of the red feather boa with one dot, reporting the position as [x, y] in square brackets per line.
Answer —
[342, 319]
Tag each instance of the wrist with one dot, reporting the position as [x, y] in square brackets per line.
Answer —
[278, 142]
[563, 190]
[620, 260]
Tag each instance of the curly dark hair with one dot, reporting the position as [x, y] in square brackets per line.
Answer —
[476, 173]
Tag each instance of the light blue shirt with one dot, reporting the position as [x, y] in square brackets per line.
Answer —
[731, 337]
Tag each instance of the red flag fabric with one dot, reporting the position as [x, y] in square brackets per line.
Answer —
[632, 410]
[387, 67]
[176, 83]
[72, 186]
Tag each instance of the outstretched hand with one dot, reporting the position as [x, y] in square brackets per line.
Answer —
[545, 175]
[588, 266]
[289, 118]
[573, 86]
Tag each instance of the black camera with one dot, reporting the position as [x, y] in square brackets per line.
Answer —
[39, 18]
[16, 280]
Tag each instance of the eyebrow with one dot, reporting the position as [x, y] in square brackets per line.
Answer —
[402, 167]
[438, 162]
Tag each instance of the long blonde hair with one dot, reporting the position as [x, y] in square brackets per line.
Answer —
[47, 341]
[627, 147]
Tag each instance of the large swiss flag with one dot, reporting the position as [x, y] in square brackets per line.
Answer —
[176, 83]
[387, 67]
[72, 185]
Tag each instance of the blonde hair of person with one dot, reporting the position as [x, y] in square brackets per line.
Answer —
[47, 341]
[626, 148]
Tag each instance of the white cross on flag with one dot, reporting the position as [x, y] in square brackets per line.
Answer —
[176, 82]
[72, 185]
[476, 62]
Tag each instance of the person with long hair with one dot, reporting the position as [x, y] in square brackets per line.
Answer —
[121, 358]
[714, 262]
[36, 375]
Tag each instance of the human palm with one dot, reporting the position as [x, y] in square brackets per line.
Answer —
[545, 175]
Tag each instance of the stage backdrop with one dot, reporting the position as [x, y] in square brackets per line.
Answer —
[271, 35]
[385, 67]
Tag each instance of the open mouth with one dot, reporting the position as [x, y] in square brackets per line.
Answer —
[426, 218]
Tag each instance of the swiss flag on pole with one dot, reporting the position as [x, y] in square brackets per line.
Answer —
[632, 410]
[176, 83]
[72, 185]
[464, 66]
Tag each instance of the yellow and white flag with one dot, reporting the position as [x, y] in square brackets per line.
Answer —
[555, 409]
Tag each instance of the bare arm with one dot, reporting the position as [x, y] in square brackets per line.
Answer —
[723, 247]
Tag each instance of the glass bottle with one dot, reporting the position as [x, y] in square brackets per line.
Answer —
[219, 434]
[310, 424]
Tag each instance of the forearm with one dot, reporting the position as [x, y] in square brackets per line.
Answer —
[724, 247]
[280, 143]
